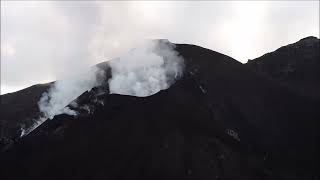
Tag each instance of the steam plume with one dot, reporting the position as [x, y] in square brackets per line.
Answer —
[54, 102]
[145, 70]
[63, 92]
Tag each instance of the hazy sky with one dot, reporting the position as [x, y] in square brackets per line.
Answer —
[43, 41]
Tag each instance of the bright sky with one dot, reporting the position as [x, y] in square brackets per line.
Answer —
[41, 41]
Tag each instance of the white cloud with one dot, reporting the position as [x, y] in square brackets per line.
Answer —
[41, 41]
[7, 50]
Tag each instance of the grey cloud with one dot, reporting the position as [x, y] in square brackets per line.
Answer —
[42, 41]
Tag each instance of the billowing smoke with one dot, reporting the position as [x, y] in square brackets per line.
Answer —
[145, 70]
[63, 92]
[54, 101]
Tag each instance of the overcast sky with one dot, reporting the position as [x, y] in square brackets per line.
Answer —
[43, 41]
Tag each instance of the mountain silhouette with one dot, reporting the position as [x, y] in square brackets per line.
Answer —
[220, 120]
[295, 65]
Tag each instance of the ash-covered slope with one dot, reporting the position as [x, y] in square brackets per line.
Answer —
[17, 109]
[219, 121]
[20, 109]
[295, 65]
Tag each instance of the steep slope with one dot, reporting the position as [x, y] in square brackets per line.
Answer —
[295, 65]
[17, 109]
[220, 121]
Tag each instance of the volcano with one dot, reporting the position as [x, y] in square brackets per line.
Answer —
[220, 120]
[295, 66]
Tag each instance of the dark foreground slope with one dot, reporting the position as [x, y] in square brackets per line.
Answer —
[219, 121]
[17, 109]
[295, 66]
[20, 109]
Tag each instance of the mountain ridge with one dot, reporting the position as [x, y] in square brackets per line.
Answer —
[220, 120]
[295, 66]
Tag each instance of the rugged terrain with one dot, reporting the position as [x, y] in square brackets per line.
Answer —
[221, 120]
[295, 66]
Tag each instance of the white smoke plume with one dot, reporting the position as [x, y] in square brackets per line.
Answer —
[145, 70]
[63, 92]
[54, 101]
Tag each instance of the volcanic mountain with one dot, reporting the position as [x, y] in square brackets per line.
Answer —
[220, 120]
[295, 66]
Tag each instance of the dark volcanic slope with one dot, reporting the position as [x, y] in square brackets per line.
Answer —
[295, 65]
[220, 121]
[17, 108]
